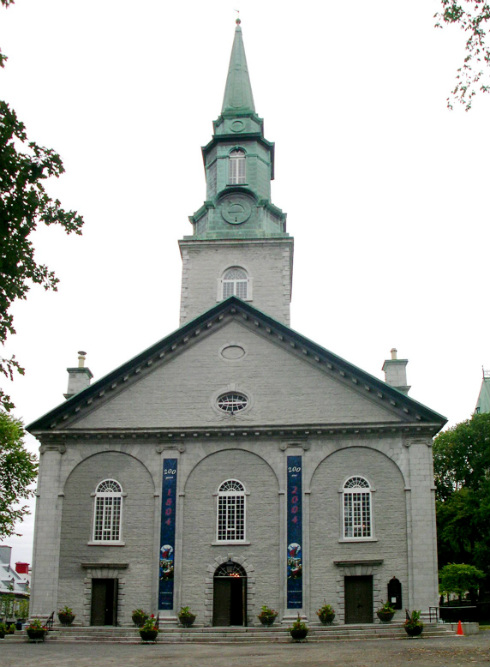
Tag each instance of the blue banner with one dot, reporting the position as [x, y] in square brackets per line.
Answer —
[167, 535]
[295, 534]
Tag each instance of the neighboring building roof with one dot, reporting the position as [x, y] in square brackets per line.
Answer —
[409, 413]
[10, 580]
[483, 403]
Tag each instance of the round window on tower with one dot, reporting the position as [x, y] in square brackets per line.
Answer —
[232, 402]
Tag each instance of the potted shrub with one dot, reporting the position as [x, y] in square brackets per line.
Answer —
[267, 615]
[10, 629]
[3, 630]
[413, 625]
[139, 617]
[186, 617]
[385, 613]
[326, 614]
[66, 616]
[36, 631]
[298, 630]
[149, 630]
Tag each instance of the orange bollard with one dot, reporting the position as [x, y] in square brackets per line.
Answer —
[459, 631]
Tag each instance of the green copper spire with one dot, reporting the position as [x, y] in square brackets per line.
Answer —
[239, 166]
[238, 97]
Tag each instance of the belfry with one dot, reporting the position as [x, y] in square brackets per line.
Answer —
[235, 463]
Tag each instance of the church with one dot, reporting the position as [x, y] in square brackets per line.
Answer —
[235, 463]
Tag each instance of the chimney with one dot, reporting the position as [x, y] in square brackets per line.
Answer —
[78, 378]
[396, 372]
[22, 568]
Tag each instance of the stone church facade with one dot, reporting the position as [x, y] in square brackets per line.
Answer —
[235, 463]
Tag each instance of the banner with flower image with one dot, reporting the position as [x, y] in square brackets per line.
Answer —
[294, 534]
[167, 535]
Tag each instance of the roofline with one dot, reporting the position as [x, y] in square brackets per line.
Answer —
[193, 328]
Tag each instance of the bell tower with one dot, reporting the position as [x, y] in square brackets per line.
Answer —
[239, 245]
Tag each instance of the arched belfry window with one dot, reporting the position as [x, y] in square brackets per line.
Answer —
[235, 283]
[236, 167]
[357, 509]
[231, 511]
[108, 511]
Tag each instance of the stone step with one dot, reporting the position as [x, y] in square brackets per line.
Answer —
[318, 633]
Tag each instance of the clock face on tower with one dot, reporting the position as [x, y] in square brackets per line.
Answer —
[236, 208]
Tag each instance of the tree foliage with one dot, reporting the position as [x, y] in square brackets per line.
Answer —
[24, 203]
[18, 469]
[462, 477]
[3, 58]
[459, 578]
[462, 456]
[472, 17]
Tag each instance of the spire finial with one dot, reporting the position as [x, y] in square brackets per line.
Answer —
[238, 20]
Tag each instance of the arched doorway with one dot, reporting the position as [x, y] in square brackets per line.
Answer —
[230, 595]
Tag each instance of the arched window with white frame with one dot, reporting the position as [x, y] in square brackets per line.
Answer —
[236, 167]
[231, 512]
[235, 283]
[357, 509]
[108, 511]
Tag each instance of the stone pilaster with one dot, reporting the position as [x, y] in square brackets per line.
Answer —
[49, 504]
[421, 524]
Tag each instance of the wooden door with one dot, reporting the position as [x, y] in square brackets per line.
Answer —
[358, 599]
[104, 602]
[222, 601]
[230, 601]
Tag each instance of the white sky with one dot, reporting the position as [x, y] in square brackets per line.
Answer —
[386, 191]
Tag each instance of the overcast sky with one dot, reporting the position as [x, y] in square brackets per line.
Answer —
[386, 190]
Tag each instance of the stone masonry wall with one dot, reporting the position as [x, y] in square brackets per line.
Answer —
[137, 534]
[282, 387]
[389, 542]
[268, 264]
[260, 464]
[201, 552]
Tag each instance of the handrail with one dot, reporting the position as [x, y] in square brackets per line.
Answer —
[433, 610]
[50, 622]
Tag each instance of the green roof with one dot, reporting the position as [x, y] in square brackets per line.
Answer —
[483, 403]
[238, 96]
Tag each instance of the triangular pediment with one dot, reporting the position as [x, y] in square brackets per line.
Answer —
[290, 383]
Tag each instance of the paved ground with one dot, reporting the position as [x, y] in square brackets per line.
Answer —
[451, 652]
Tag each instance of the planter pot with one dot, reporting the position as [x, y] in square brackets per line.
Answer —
[66, 619]
[138, 620]
[19, 624]
[414, 630]
[298, 635]
[187, 620]
[2, 634]
[385, 616]
[36, 635]
[267, 620]
[327, 619]
[148, 635]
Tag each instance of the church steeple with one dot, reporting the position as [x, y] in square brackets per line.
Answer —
[238, 212]
[238, 96]
[239, 165]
